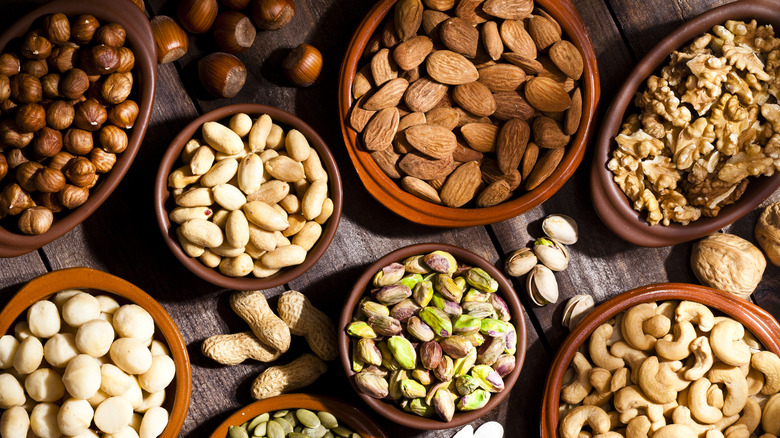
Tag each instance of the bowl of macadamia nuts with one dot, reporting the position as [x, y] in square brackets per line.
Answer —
[248, 197]
[667, 360]
[77, 83]
[83, 353]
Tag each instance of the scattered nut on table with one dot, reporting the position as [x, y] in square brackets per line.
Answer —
[729, 263]
[768, 232]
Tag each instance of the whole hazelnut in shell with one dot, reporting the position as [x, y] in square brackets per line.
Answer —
[48, 180]
[272, 14]
[123, 114]
[30, 117]
[60, 114]
[77, 141]
[234, 32]
[73, 196]
[56, 27]
[116, 88]
[35, 220]
[26, 88]
[197, 16]
[170, 39]
[729, 263]
[80, 172]
[83, 28]
[768, 232]
[222, 74]
[303, 65]
[36, 47]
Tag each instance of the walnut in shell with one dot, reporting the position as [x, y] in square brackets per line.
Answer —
[729, 263]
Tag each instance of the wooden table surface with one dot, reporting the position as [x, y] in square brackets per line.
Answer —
[122, 237]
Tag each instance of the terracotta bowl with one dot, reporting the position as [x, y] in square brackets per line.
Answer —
[389, 409]
[754, 318]
[612, 205]
[344, 412]
[163, 203]
[392, 196]
[139, 39]
[177, 397]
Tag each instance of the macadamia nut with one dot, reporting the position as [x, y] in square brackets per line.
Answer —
[126, 432]
[153, 423]
[82, 376]
[153, 400]
[107, 304]
[29, 355]
[113, 415]
[131, 355]
[157, 348]
[14, 423]
[98, 398]
[44, 385]
[95, 337]
[80, 308]
[159, 375]
[134, 394]
[133, 321]
[8, 347]
[74, 417]
[11, 391]
[43, 420]
[114, 381]
[22, 331]
[62, 296]
[43, 319]
[60, 349]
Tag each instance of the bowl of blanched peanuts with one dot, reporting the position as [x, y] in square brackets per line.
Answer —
[84, 353]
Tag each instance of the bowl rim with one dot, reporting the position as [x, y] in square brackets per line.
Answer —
[162, 194]
[46, 285]
[611, 204]
[139, 37]
[417, 210]
[392, 412]
[763, 325]
[343, 411]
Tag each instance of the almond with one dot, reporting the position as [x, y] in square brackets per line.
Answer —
[502, 77]
[380, 130]
[459, 36]
[387, 160]
[511, 105]
[464, 154]
[461, 186]
[439, 5]
[550, 70]
[431, 21]
[411, 119]
[548, 134]
[517, 39]
[362, 82]
[475, 98]
[494, 194]
[446, 117]
[408, 17]
[423, 94]
[553, 21]
[400, 144]
[567, 58]
[529, 159]
[545, 166]
[411, 75]
[545, 94]
[480, 136]
[389, 36]
[471, 11]
[543, 32]
[510, 144]
[418, 166]
[383, 67]
[358, 117]
[491, 173]
[389, 95]
[509, 9]
[448, 67]
[491, 39]
[412, 52]
[432, 140]
[573, 115]
[374, 45]
[421, 189]
[465, 117]
[529, 65]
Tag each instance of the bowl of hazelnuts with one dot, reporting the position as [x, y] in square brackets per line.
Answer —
[77, 85]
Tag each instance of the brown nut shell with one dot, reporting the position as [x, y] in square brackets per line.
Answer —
[222, 74]
[303, 65]
[272, 14]
[197, 16]
[234, 32]
[83, 27]
[123, 114]
[170, 40]
[35, 220]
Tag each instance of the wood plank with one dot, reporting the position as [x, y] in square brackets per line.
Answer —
[16, 271]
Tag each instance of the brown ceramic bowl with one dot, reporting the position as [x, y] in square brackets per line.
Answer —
[612, 205]
[139, 39]
[177, 397]
[754, 318]
[387, 408]
[344, 412]
[392, 196]
[163, 203]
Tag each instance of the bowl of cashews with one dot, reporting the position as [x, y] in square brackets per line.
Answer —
[667, 360]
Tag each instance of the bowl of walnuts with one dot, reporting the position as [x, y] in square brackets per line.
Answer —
[77, 86]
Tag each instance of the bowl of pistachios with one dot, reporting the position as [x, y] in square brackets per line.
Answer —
[432, 336]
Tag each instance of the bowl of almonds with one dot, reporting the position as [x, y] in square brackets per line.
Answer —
[248, 197]
[463, 113]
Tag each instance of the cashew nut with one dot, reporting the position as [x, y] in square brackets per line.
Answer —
[697, 402]
[598, 349]
[682, 415]
[632, 326]
[755, 381]
[630, 399]
[578, 389]
[736, 431]
[696, 313]
[679, 348]
[650, 382]
[770, 419]
[619, 379]
[727, 344]
[657, 326]
[638, 427]
[769, 365]
[736, 387]
[630, 356]
[675, 431]
[575, 420]
[610, 434]
[715, 397]
[751, 415]
[597, 398]
[702, 356]
[667, 309]
[600, 379]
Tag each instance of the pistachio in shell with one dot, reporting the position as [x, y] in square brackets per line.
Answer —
[541, 285]
[561, 228]
[576, 309]
[520, 262]
[552, 254]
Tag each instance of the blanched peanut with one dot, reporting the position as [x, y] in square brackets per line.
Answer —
[236, 266]
[182, 177]
[190, 248]
[133, 321]
[311, 204]
[297, 146]
[220, 173]
[284, 256]
[188, 150]
[135, 422]
[80, 308]
[150, 400]
[14, 423]
[228, 196]
[237, 229]
[107, 304]
[82, 376]
[44, 385]
[296, 221]
[95, 337]
[114, 381]
[44, 319]
[250, 173]
[253, 251]
[241, 124]
[131, 355]
[261, 271]
[308, 235]
[28, 356]
[220, 217]
[11, 391]
[113, 414]
[227, 250]
[159, 375]
[180, 215]
[153, 423]
[264, 216]
[262, 239]
[267, 155]
[74, 417]
[327, 211]
[258, 135]
[275, 137]
[221, 138]
[270, 192]
[202, 232]
[43, 420]
[202, 160]
[195, 197]
[8, 347]
[59, 349]
[210, 259]
[291, 204]
[313, 167]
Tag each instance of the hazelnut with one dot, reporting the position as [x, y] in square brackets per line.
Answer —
[222, 74]
[13, 136]
[59, 160]
[15, 157]
[197, 16]
[303, 65]
[169, 38]
[140, 4]
[35, 67]
[26, 88]
[272, 14]
[49, 180]
[60, 114]
[234, 32]
[14, 199]
[123, 114]
[74, 83]
[3, 166]
[72, 196]
[8, 107]
[236, 5]
[35, 220]
[116, 88]
[47, 142]
[113, 139]
[50, 201]
[111, 34]
[30, 117]
[25, 174]
[5, 87]
[77, 141]
[51, 85]
[99, 60]
[103, 161]
[56, 27]
[63, 58]
[90, 115]
[83, 27]
[36, 47]
[126, 60]
[80, 172]
[9, 64]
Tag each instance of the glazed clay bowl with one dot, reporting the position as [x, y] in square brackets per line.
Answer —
[612, 205]
[177, 397]
[387, 408]
[752, 317]
[140, 40]
[347, 414]
[164, 204]
[392, 196]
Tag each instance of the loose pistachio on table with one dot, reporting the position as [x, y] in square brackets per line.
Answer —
[433, 341]
[576, 309]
